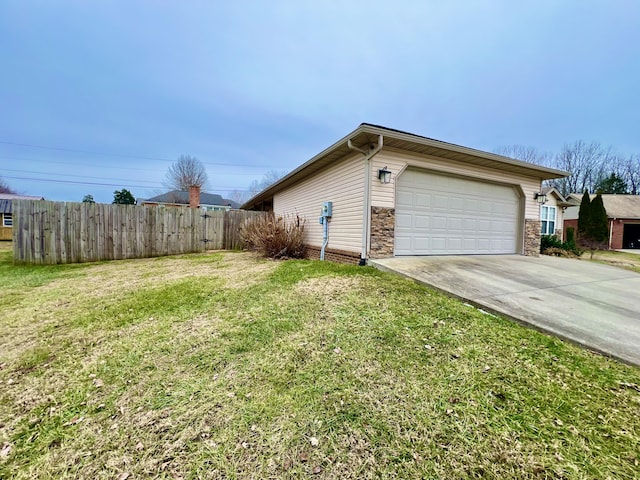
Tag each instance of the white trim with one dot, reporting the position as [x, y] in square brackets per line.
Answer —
[546, 221]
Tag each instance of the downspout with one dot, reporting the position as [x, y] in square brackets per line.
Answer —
[373, 151]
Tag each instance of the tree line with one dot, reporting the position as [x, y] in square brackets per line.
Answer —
[593, 167]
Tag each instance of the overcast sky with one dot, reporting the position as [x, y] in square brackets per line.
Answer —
[96, 96]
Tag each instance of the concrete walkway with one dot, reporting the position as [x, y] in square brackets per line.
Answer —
[592, 304]
[635, 251]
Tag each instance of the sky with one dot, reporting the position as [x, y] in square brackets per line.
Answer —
[103, 95]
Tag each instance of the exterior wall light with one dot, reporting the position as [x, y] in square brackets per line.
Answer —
[384, 175]
[540, 197]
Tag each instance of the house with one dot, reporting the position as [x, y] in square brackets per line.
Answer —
[623, 213]
[6, 213]
[552, 207]
[395, 193]
[205, 201]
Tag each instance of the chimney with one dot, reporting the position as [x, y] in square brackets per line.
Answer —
[194, 196]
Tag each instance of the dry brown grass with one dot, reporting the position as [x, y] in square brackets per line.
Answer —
[628, 261]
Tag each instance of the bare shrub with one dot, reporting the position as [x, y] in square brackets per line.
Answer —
[559, 252]
[275, 237]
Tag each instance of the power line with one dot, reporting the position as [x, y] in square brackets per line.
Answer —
[51, 180]
[120, 155]
[117, 167]
[77, 176]
[76, 164]
[29, 145]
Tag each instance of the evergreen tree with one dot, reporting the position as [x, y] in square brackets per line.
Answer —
[593, 227]
[123, 197]
[599, 228]
[584, 213]
[612, 184]
[88, 199]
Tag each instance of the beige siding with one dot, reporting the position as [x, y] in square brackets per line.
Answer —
[342, 184]
[571, 213]
[397, 161]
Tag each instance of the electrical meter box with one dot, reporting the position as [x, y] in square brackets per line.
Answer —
[327, 209]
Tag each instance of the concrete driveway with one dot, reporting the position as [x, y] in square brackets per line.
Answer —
[595, 305]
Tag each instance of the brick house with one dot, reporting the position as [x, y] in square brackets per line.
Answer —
[623, 213]
[194, 198]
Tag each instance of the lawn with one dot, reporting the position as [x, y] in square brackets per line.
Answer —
[224, 365]
[628, 261]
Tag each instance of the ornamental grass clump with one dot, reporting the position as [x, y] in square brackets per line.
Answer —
[274, 237]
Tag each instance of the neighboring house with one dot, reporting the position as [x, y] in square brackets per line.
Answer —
[207, 201]
[552, 212]
[396, 193]
[623, 213]
[6, 213]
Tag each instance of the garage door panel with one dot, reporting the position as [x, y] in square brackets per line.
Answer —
[484, 226]
[455, 224]
[404, 198]
[441, 202]
[438, 214]
[456, 205]
[439, 223]
[422, 221]
[422, 200]
[404, 220]
[454, 244]
[483, 207]
[439, 243]
[404, 244]
[421, 243]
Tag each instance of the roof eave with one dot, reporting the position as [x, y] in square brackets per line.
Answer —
[543, 173]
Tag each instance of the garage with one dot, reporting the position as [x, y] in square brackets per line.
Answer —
[439, 214]
[631, 235]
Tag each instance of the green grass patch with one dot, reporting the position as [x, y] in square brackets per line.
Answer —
[228, 366]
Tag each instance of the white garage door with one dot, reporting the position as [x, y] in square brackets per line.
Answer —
[442, 215]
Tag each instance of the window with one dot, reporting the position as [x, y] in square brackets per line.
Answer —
[548, 217]
[7, 220]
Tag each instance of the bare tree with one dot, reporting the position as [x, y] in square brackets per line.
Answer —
[631, 173]
[588, 164]
[239, 196]
[5, 188]
[269, 178]
[525, 153]
[186, 172]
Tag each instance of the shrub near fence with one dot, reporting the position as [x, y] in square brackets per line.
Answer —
[63, 232]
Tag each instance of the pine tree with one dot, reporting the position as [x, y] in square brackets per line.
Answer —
[599, 230]
[593, 228]
[584, 215]
[123, 197]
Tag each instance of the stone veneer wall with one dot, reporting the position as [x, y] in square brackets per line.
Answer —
[383, 221]
[532, 234]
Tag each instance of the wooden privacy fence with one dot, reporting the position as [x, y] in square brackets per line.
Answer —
[63, 232]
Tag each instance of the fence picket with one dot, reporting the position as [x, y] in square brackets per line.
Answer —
[59, 232]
